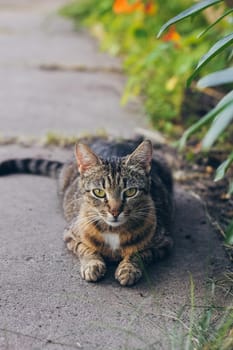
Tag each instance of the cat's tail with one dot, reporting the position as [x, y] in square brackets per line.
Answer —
[34, 166]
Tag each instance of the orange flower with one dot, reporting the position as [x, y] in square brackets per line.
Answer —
[172, 35]
[122, 6]
[150, 8]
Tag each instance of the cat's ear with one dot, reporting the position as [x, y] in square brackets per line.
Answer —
[85, 157]
[142, 156]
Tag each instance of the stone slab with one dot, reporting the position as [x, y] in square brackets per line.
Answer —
[36, 102]
[82, 96]
[46, 305]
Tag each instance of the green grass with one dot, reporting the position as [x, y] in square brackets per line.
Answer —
[206, 326]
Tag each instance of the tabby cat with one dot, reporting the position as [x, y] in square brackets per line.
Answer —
[117, 200]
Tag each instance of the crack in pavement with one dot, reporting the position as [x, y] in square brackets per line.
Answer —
[46, 340]
[80, 68]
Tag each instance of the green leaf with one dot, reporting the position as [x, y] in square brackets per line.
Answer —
[214, 23]
[230, 190]
[223, 119]
[218, 47]
[187, 13]
[227, 98]
[222, 169]
[224, 76]
[204, 120]
[229, 233]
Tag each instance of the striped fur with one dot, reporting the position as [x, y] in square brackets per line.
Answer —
[118, 204]
[30, 166]
[129, 230]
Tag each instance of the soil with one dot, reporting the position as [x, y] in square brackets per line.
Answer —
[197, 175]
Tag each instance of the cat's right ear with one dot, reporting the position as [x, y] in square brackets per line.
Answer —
[85, 157]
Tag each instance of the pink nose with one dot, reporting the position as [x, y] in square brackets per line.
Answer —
[115, 212]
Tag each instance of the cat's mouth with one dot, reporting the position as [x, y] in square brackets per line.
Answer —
[115, 221]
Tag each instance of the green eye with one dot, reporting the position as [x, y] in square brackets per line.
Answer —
[131, 192]
[98, 192]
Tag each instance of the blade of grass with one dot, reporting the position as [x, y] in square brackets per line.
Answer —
[229, 234]
[230, 190]
[222, 120]
[187, 13]
[207, 118]
[218, 47]
[222, 169]
[192, 300]
[220, 77]
[214, 23]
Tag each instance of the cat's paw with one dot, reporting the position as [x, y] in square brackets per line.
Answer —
[93, 270]
[128, 274]
[71, 245]
[70, 240]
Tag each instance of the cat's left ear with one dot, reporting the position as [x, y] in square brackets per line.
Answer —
[85, 157]
[142, 156]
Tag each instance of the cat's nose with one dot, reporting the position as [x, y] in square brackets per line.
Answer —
[115, 212]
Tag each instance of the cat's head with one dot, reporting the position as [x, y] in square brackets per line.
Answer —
[115, 190]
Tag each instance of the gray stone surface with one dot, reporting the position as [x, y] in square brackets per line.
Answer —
[44, 304]
[35, 101]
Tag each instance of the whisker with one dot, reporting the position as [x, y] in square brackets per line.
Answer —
[86, 220]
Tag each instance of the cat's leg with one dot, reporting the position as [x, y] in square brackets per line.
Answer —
[71, 239]
[92, 266]
[162, 246]
[130, 269]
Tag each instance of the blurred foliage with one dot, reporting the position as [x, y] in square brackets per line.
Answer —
[157, 69]
[221, 116]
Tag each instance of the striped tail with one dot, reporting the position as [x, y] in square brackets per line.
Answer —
[30, 166]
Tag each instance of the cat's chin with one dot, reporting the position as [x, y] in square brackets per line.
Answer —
[114, 223]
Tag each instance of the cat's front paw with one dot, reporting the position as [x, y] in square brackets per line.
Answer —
[71, 241]
[128, 274]
[93, 270]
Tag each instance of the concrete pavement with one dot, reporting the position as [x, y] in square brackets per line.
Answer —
[32, 36]
[44, 304]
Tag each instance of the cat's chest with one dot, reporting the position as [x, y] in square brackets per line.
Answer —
[112, 240]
